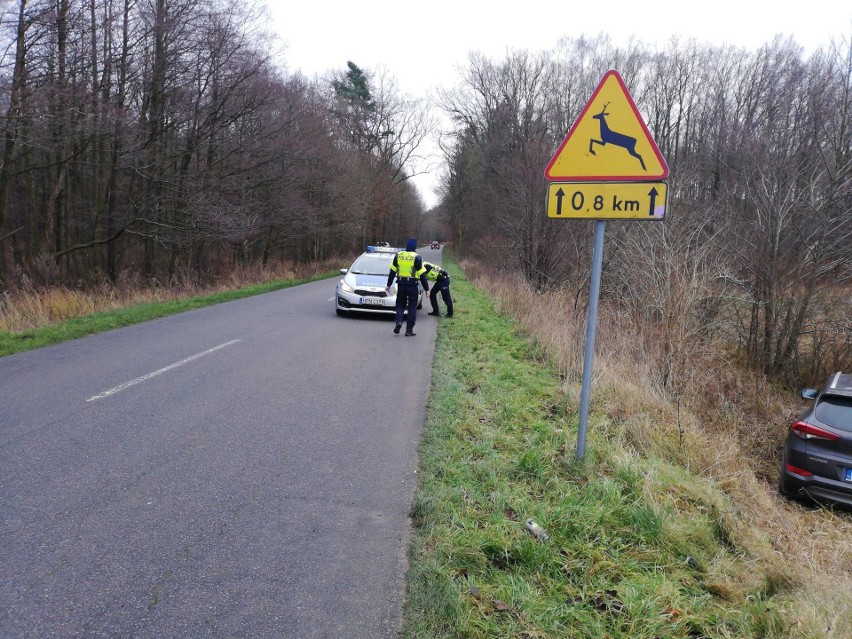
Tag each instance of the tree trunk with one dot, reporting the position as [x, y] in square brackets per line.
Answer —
[13, 113]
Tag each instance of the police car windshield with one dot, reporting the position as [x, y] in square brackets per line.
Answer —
[372, 264]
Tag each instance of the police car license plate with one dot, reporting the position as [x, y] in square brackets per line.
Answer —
[373, 301]
[848, 475]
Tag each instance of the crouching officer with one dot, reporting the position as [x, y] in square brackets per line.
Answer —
[441, 283]
[407, 267]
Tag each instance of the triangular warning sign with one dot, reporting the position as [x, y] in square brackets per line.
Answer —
[609, 142]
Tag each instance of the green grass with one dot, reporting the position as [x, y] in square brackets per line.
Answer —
[498, 448]
[99, 322]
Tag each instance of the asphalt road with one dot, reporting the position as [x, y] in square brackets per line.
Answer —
[242, 470]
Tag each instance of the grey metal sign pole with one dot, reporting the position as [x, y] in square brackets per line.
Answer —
[591, 324]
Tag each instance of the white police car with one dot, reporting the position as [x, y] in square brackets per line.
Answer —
[362, 289]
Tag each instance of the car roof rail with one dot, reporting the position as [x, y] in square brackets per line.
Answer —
[841, 381]
[839, 384]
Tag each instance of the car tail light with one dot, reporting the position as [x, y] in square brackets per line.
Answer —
[807, 431]
[798, 471]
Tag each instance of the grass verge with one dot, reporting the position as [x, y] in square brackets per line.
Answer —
[638, 547]
[16, 342]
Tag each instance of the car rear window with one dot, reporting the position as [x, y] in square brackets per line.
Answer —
[835, 411]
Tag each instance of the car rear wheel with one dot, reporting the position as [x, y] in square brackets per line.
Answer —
[782, 490]
[785, 489]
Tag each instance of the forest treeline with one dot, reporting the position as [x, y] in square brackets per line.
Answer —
[164, 136]
[757, 243]
[167, 137]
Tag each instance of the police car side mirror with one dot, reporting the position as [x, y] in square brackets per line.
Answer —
[344, 271]
[810, 393]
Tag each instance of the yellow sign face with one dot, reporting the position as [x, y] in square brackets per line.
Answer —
[607, 200]
[609, 141]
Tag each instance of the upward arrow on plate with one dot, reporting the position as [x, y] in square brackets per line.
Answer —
[559, 195]
[653, 193]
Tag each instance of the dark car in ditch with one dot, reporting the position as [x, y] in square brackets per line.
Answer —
[817, 459]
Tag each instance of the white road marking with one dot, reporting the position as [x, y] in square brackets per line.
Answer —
[144, 378]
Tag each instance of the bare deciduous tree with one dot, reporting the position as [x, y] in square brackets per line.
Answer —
[758, 142]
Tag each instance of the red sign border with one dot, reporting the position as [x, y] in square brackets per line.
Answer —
[608, 178]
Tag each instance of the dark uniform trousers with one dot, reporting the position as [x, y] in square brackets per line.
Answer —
[442, 284]
[406, 298]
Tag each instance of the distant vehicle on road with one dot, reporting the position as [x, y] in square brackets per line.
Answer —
[435, 244]
[817, 461]
[362, 289]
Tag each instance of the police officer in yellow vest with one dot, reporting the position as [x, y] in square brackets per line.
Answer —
[440, 284]
[407, 267]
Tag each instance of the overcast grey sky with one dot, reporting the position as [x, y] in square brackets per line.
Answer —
[422, 44]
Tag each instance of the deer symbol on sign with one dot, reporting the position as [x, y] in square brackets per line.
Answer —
[608, 136]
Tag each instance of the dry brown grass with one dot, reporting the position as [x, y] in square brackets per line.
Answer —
[29, 306]
[726, 427]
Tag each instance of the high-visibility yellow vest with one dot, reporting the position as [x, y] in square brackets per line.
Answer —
[434, 271]
[405, 264]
